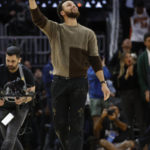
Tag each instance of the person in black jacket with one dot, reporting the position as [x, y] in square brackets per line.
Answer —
[18, 82]
[129, 91]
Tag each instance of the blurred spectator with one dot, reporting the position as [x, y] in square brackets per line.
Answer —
[47, 80]
[126, 46]
[144, 76]
[96, 96]
[27, 63]
[126, 11]
[140, 24]
[129, 91]
[112, 129]
[114, 65]
[17, 9]
[19, 22]
[38, 119]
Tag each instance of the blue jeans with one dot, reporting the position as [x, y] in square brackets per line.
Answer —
[10, 132]
[68, 102]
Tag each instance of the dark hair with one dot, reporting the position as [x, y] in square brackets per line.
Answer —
[59, 9]
[147, 35]
[13, 50]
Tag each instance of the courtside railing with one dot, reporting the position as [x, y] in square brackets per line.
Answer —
[36, 48]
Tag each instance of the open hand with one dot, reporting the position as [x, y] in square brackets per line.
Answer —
[106, 91]
[19, 100]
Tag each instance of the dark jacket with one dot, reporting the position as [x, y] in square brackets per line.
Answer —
[142, 69]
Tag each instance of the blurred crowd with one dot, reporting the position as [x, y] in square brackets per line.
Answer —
[120, 123]
[16, 17]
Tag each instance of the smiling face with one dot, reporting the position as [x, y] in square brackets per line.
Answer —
[12, 62]
[70, 10]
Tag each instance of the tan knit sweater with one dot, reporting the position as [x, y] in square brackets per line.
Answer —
[73, 48]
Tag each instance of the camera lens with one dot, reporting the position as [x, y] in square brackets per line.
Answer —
[110, 111]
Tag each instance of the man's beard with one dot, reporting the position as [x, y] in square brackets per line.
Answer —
[12, 68]
[73, 14]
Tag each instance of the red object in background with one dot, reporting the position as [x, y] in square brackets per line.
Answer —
[79, 4]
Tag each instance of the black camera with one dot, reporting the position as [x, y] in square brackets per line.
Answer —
[15, 85]
[13, 89]
[110, 111]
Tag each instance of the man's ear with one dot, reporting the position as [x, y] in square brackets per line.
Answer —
[20, 60]
[62, 13]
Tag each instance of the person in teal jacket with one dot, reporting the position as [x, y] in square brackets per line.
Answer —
[143, 68]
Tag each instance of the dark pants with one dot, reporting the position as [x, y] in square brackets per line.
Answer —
[145, 138]
[68, 101]
[9, 132]
[132, 107]
[138, 47]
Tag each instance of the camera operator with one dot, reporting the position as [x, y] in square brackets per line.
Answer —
[19, 105]
[111, 130]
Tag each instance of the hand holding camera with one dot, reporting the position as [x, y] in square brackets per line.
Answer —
[20, 100]
[112, 117]
[104, 113]
[112, 112]
[14, 91]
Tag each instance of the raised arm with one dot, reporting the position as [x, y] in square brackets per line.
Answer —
[99, 124]
[32, 4]
[47, 26]
[37, 17]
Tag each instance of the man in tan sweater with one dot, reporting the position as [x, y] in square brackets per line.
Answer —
[74, 49]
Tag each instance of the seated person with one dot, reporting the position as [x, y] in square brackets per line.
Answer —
[112, 130]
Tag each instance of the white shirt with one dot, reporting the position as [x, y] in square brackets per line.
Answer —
[148, 53]
[139, 28]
